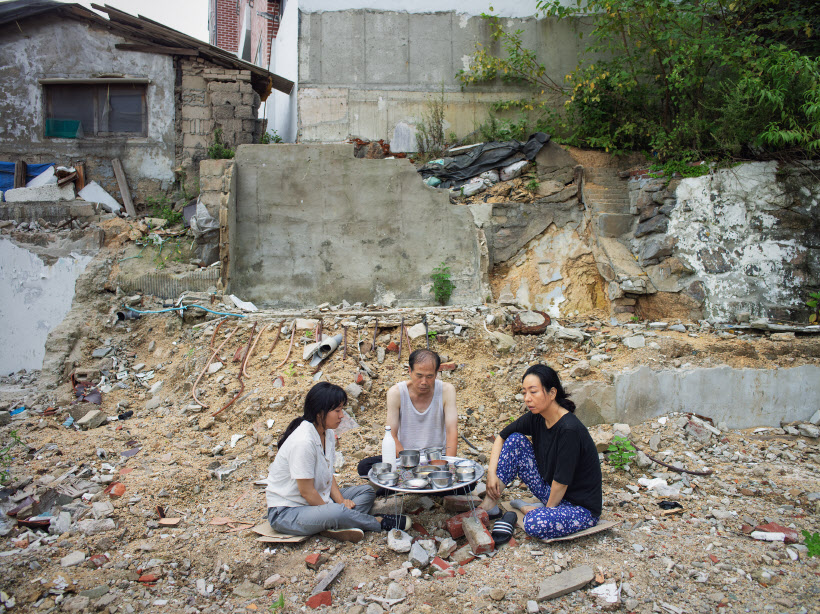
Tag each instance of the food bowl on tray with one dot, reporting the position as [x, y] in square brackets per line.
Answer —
[465, 474]
[408, 459]
[416, 483]
[379, 468]
[388, 479]
[424, 470]
[441, 479]
[432, 453]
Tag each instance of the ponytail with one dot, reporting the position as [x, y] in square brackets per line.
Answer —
[323, 398]
[549, 379]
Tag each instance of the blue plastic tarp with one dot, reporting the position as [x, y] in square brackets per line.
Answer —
[7, 173]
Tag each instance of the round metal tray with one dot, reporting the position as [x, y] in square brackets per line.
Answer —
[406, 474]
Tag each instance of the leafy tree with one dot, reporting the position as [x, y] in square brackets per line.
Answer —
[682, 78]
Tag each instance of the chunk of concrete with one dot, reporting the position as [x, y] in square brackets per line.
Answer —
[399, 541]
[418, 556]
[93, 193]
[72, 559]
[45, 193]
[417, 330]
[565, 582]
[92, 419]
[635, 342]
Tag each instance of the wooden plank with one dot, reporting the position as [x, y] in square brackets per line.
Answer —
[20, 174]
[67, 179]
[156, 49]
[603, 525]
[79, 183]
[119, 173]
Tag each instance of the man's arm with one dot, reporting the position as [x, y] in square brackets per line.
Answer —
[393, 415]
[448, 394]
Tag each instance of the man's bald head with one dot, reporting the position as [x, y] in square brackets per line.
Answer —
[419, 357]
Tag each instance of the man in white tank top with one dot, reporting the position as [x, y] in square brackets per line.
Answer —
[421, 412]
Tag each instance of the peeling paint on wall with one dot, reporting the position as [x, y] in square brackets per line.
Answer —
[746, 233]
[36, 297]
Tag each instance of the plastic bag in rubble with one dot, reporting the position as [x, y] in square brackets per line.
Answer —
[206, 235]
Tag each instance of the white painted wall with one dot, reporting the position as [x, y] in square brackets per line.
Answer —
[34, 299]
[281, 111]
[503, 8]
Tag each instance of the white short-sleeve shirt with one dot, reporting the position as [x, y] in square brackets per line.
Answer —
[301, 457]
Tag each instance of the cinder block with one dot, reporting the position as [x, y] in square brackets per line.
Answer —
[223, 86]
[50, 192]
[191, 82]
[245, 88]
[190, 111]
[223, 111]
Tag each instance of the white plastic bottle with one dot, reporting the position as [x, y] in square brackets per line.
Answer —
[389, 448]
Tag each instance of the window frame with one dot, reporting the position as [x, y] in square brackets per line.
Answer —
[95, 86]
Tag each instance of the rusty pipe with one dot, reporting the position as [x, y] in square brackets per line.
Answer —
[255, 341]
[292, 337]
[239, 377]
[275, 341]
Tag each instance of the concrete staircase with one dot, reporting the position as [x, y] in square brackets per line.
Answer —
[607, 199]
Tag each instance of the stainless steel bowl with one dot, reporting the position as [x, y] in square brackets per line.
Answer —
[424, 470]
[417, 483]
[465, 463]
[408, 458]
[388, 479]
[441, 479]
[465, 474]
[379, 468]
[433, 453]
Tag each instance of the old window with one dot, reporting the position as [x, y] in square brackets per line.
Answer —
[76, 110]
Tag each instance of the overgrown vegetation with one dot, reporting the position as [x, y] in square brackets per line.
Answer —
[268, 138]
[812, 542]
[620, 452]
[163, 207]
[6, 458]
[442, 284]
[219, 151]
[430, 130]
[712, 78]
[814, 304]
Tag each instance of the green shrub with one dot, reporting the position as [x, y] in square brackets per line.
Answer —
[442, 284]
[430, 130]
[268, 138]
[620, 452]
[812, 541]
[6, 458]
[219, 151]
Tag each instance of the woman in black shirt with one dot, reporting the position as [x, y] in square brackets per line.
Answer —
[560, 466]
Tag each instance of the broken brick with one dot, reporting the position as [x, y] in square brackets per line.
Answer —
[792, 537]
[420, 529]
[440, 564]
[455, 524]
[148, 577]
[462, 556]
[313, 560]
[478, 536]
[319, 599]
[392, 347]
[115, 490]
[447, 366]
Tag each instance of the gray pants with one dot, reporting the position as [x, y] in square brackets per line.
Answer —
[311, 519]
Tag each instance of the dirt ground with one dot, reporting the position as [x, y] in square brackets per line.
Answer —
[698, 558]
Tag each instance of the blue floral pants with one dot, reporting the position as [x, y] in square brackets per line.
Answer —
[518, 459]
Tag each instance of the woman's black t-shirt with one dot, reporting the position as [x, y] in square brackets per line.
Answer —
[566, 454]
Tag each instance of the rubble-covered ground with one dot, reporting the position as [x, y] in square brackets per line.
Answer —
[113, 552]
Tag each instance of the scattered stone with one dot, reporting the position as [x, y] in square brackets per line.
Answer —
[269, 583]
[73, 558]
[635, 342]
[581, 368]
[809, 430]
[214, 367]
[698, 432]
[497, 594]
[447, 546]
[418, 556]
[622, 430]
[92, 420]
[565, 582]
[532, 607]
[399, 541]
[249, 590]
[463, 555]
[353, 390]
[94, 527]
[395, 591]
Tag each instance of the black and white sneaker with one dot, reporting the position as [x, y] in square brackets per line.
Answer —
[395, 521]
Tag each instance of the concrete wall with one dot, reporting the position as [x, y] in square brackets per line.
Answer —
[54, 48]
[743, 398]
[281, 109]
[363, 72]
[36, 296]
[315, 224]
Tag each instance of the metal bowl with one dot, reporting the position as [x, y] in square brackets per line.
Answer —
[416, 483]
[408, 458]
[441, 479]
[379, 468]
[465, 463]
[388, 479]
[424, 470]
[433, 453]
[440, 464]
[465, 474]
